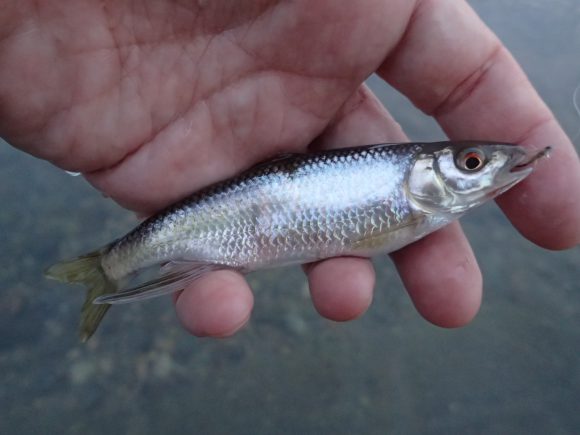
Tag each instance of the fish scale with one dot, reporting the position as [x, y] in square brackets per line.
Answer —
[300, 208]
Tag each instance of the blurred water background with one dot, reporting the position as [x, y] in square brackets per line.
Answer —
[515, 370]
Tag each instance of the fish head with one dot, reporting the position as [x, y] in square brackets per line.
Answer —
[452, 177]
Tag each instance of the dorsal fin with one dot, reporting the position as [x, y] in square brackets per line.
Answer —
[280, 158]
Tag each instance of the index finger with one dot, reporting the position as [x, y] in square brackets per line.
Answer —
[454, 68]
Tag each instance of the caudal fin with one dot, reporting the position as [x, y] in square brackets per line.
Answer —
[86, 270]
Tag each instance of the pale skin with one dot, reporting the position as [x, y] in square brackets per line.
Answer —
[153, 100]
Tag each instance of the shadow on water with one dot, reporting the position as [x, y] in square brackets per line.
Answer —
[516, 369]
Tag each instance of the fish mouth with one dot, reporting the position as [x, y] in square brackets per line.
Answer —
[521, 166]
[528, 166]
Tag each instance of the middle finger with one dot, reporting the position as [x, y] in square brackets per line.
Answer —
[440, 271]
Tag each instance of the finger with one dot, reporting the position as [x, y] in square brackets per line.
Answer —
[216, 305]
[453, 67]
[440, 272]
[341, 288]
[447, 287]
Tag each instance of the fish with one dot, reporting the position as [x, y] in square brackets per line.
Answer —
[296, 209]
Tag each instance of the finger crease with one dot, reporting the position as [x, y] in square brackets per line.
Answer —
[464, 89]
[530, 132]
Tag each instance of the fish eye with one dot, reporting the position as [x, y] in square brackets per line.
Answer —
[470, 160]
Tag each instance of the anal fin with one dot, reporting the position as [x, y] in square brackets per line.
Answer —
[175, 276]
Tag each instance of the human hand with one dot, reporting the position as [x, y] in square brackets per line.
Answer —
[153, 100]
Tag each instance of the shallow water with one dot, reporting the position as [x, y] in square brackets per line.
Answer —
[516, 369]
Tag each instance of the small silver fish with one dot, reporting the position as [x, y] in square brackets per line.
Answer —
[296, 209]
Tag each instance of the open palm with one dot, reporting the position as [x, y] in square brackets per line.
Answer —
[153, 100]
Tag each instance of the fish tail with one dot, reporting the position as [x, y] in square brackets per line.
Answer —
[86, 270]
